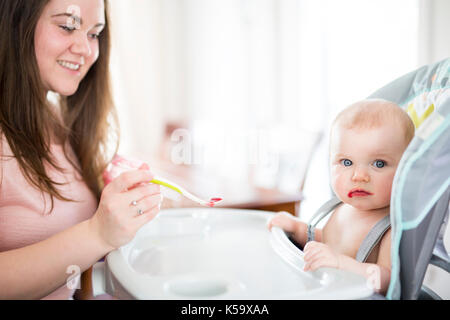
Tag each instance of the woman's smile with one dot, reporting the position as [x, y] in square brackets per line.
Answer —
[69, 65]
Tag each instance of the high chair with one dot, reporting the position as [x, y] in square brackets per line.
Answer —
[421, 193]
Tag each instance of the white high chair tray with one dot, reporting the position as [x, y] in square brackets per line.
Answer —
[203, 253]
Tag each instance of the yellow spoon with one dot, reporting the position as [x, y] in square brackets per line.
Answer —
[169, 184]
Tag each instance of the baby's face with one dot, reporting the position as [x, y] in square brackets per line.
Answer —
[363, 164]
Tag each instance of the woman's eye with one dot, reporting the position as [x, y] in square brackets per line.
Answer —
[94, 36]
[67, 28]
[379, 163]
[346, 162]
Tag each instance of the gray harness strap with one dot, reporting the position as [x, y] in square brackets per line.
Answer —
[321, 213]
[373, 238]
[324, 210]
[370, 241]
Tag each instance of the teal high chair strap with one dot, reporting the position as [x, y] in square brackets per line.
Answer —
[373, 238]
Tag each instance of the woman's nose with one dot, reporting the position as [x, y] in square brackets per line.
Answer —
[360, 175]
[81, 46]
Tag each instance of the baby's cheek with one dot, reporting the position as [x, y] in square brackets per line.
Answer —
[384, 189]
[338, 185]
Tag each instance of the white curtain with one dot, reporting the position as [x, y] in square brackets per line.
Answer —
[254, 81]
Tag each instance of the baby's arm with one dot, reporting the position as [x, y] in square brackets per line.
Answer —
[293, 225]
[378, 274]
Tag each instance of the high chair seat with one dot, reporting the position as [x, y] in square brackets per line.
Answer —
[421, 188]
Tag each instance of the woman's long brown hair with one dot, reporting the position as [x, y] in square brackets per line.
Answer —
[26, 119]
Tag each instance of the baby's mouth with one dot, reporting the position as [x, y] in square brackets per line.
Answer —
[359, 193]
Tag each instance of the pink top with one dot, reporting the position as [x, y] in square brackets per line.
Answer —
[23, 218]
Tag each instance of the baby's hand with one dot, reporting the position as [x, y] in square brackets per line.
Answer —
[284, 221]
[318, 255]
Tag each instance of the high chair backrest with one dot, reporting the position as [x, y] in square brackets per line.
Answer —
[420, 192]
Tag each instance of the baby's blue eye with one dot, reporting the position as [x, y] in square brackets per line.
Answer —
[379, 163]
[346, 162]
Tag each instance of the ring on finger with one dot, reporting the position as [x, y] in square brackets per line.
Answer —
[140, 211]
[134, 203]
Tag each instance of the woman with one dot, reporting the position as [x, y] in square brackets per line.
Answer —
[54, 216]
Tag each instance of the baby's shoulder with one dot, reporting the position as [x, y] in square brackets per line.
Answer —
[339, 221]
[353, 222]
[342, 214]
[347, 228]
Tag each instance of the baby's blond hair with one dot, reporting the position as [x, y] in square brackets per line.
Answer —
[371, 113]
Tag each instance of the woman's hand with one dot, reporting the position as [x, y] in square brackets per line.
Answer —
[318, 255]
[126, 204]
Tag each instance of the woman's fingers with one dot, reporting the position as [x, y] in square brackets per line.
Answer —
[142, 191]
[143, 198]
[146, 204]
[147, 216]
[126, 198]
[129, 179]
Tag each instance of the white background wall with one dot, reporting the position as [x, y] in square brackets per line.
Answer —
[434, 44]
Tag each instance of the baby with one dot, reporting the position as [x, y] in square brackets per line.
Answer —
[367, 140]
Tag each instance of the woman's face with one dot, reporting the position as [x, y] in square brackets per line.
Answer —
[66, 42]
